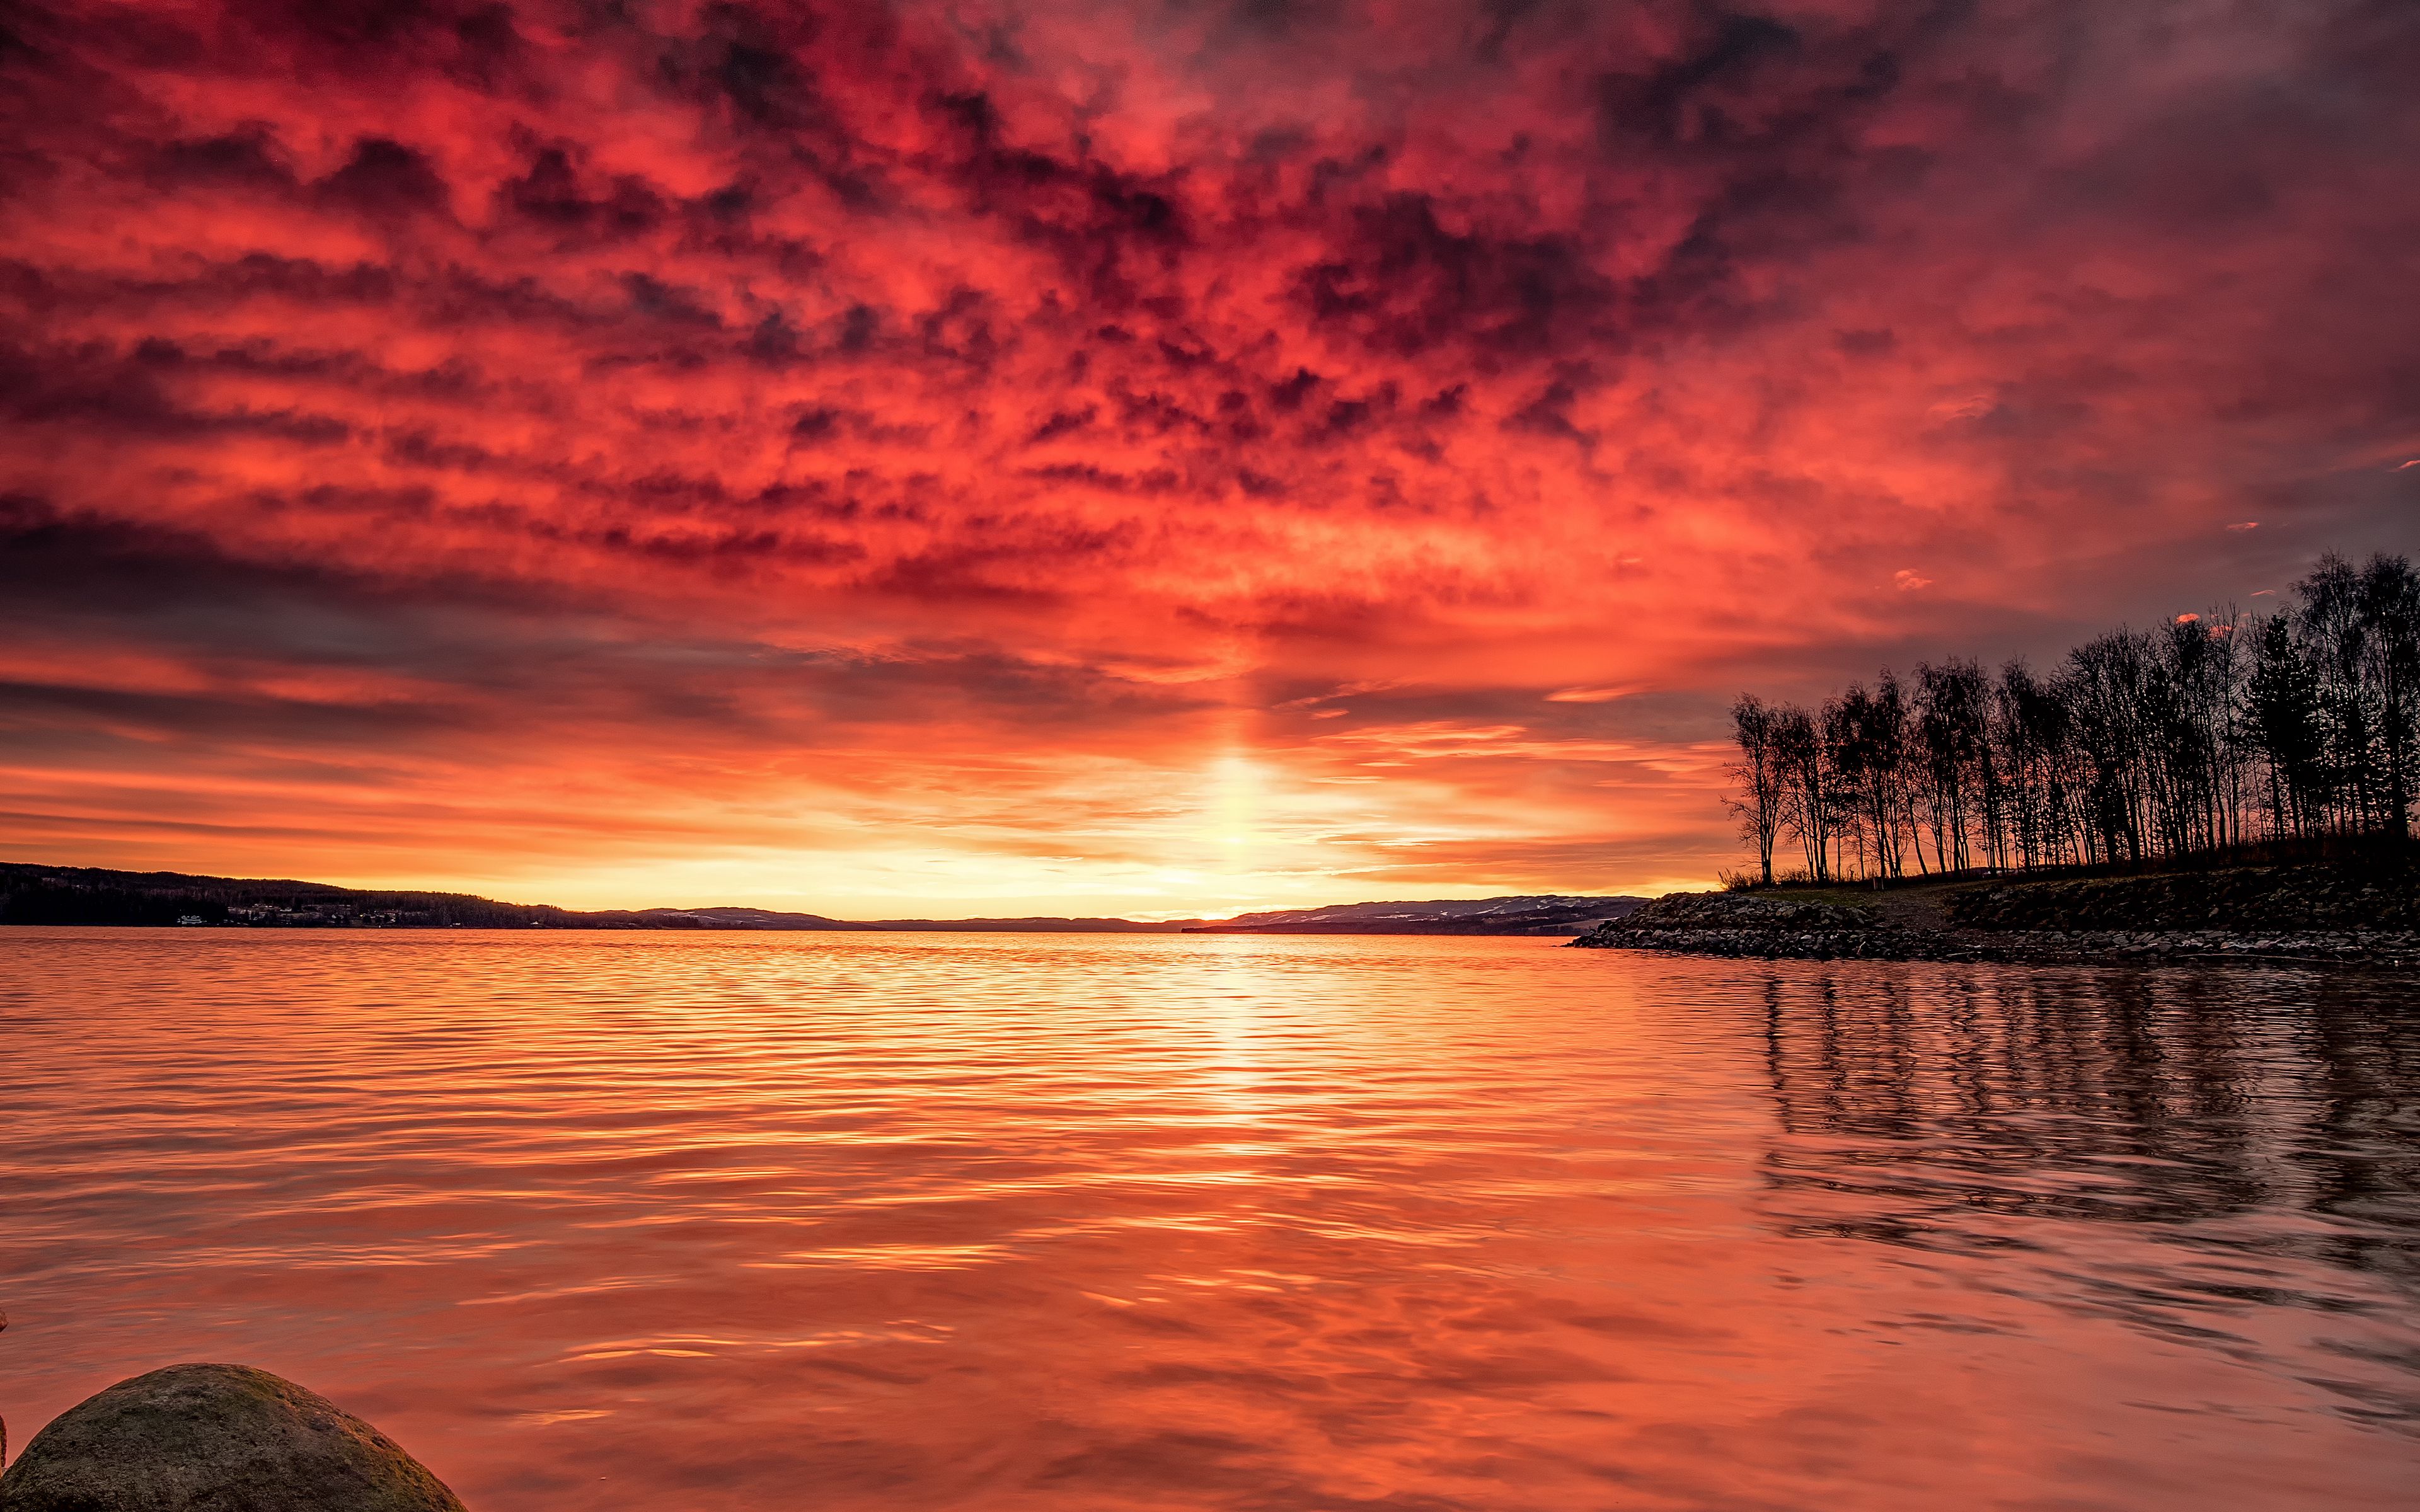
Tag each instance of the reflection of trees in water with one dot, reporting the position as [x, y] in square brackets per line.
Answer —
[1954, 1112]
[2173, 1149]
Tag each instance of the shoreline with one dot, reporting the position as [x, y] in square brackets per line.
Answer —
[2311, 915]
[2396, 948]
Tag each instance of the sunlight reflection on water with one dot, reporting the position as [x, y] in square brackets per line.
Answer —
[1073, 1223]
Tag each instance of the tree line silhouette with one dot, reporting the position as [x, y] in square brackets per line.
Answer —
[2212, 731]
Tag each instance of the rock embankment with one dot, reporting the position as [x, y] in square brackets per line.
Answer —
[216, 1438]
[2115, 927]
[1751, 924]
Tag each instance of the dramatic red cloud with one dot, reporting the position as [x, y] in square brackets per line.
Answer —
[1133, 457]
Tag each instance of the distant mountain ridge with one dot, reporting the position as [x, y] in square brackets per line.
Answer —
[771, 918]
[1530, 914]
[34, 894]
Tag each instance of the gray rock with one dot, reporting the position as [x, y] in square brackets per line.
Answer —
[216, 1438]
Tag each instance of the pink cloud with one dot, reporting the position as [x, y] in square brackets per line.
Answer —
[668, 420]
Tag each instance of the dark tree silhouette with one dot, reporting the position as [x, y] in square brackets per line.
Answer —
[2141, 746]
[1760, 776]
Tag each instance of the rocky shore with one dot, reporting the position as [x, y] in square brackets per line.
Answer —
[2308, 914]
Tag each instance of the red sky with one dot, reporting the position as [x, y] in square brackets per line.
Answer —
[993, 457]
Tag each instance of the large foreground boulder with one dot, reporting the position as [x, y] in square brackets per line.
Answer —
[216, 1438]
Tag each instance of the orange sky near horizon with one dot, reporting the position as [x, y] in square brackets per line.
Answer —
[1150, 459]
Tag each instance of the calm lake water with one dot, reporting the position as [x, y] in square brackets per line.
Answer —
[1058, 1222]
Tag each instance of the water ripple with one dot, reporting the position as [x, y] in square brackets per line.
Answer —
[1073, 1223]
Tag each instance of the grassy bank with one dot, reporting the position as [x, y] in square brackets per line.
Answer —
[2346, 886]
[2356, 908]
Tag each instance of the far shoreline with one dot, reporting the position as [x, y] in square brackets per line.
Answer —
[36, 895]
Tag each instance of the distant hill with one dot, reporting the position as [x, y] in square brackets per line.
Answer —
[771, 918]
[90, 895]
[31, 894]
[736, 919]
[1542, 914]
